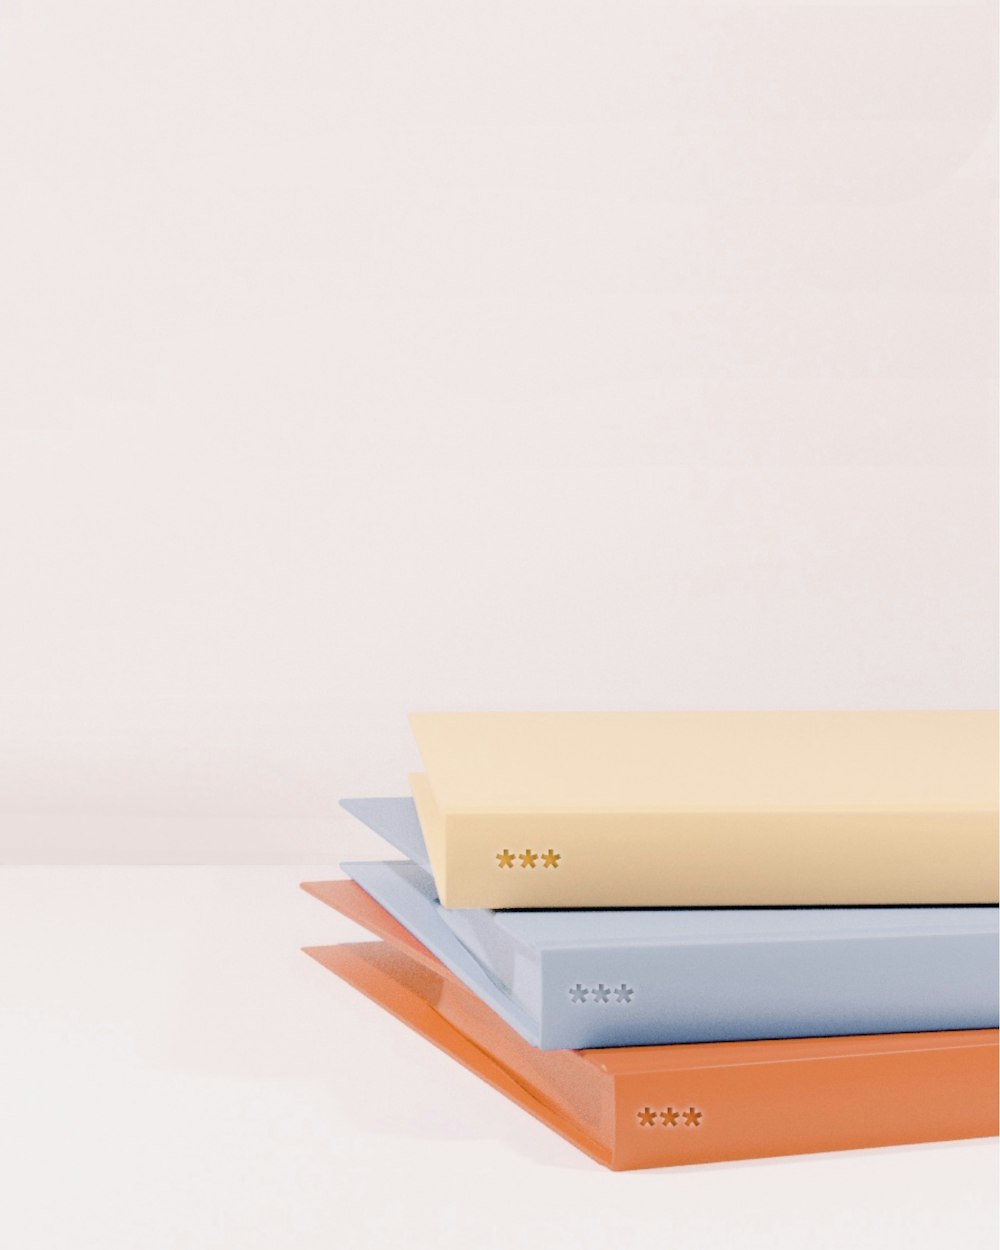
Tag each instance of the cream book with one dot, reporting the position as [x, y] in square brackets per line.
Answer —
[709, 809]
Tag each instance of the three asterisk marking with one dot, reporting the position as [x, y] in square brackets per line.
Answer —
[529, 858]
[671, 1119]
[602, 993]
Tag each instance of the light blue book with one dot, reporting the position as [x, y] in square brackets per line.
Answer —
[577, 979]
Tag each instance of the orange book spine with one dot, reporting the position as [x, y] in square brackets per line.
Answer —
[929, 1087]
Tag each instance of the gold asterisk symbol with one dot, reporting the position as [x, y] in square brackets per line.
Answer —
[506, 859]
[669, 1117]
[528, 859]
[647, 1117]
[551, 859]
[692, 1118]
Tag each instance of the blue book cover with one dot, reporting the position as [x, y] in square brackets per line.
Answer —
[580, 978]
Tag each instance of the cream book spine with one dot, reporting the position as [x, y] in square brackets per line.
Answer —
[844, 837]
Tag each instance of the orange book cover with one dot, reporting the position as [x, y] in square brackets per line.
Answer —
[654, 1106]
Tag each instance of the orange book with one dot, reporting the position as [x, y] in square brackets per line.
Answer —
[653, 1106]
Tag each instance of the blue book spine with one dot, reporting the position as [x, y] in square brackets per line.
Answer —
[636, 995]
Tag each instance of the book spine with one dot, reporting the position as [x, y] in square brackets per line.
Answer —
[808, 986]
[753, 1110]
[718, 859]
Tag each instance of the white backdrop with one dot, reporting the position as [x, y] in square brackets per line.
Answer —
[367, 357]
[362, 356]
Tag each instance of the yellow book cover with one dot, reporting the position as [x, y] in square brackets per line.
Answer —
[709, 809]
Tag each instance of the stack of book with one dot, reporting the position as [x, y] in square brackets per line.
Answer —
[688, 937]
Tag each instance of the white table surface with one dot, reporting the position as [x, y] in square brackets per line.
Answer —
[175, 1073]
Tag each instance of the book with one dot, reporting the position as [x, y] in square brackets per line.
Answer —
[579, 979]
[656, 1106]
[709, 809]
